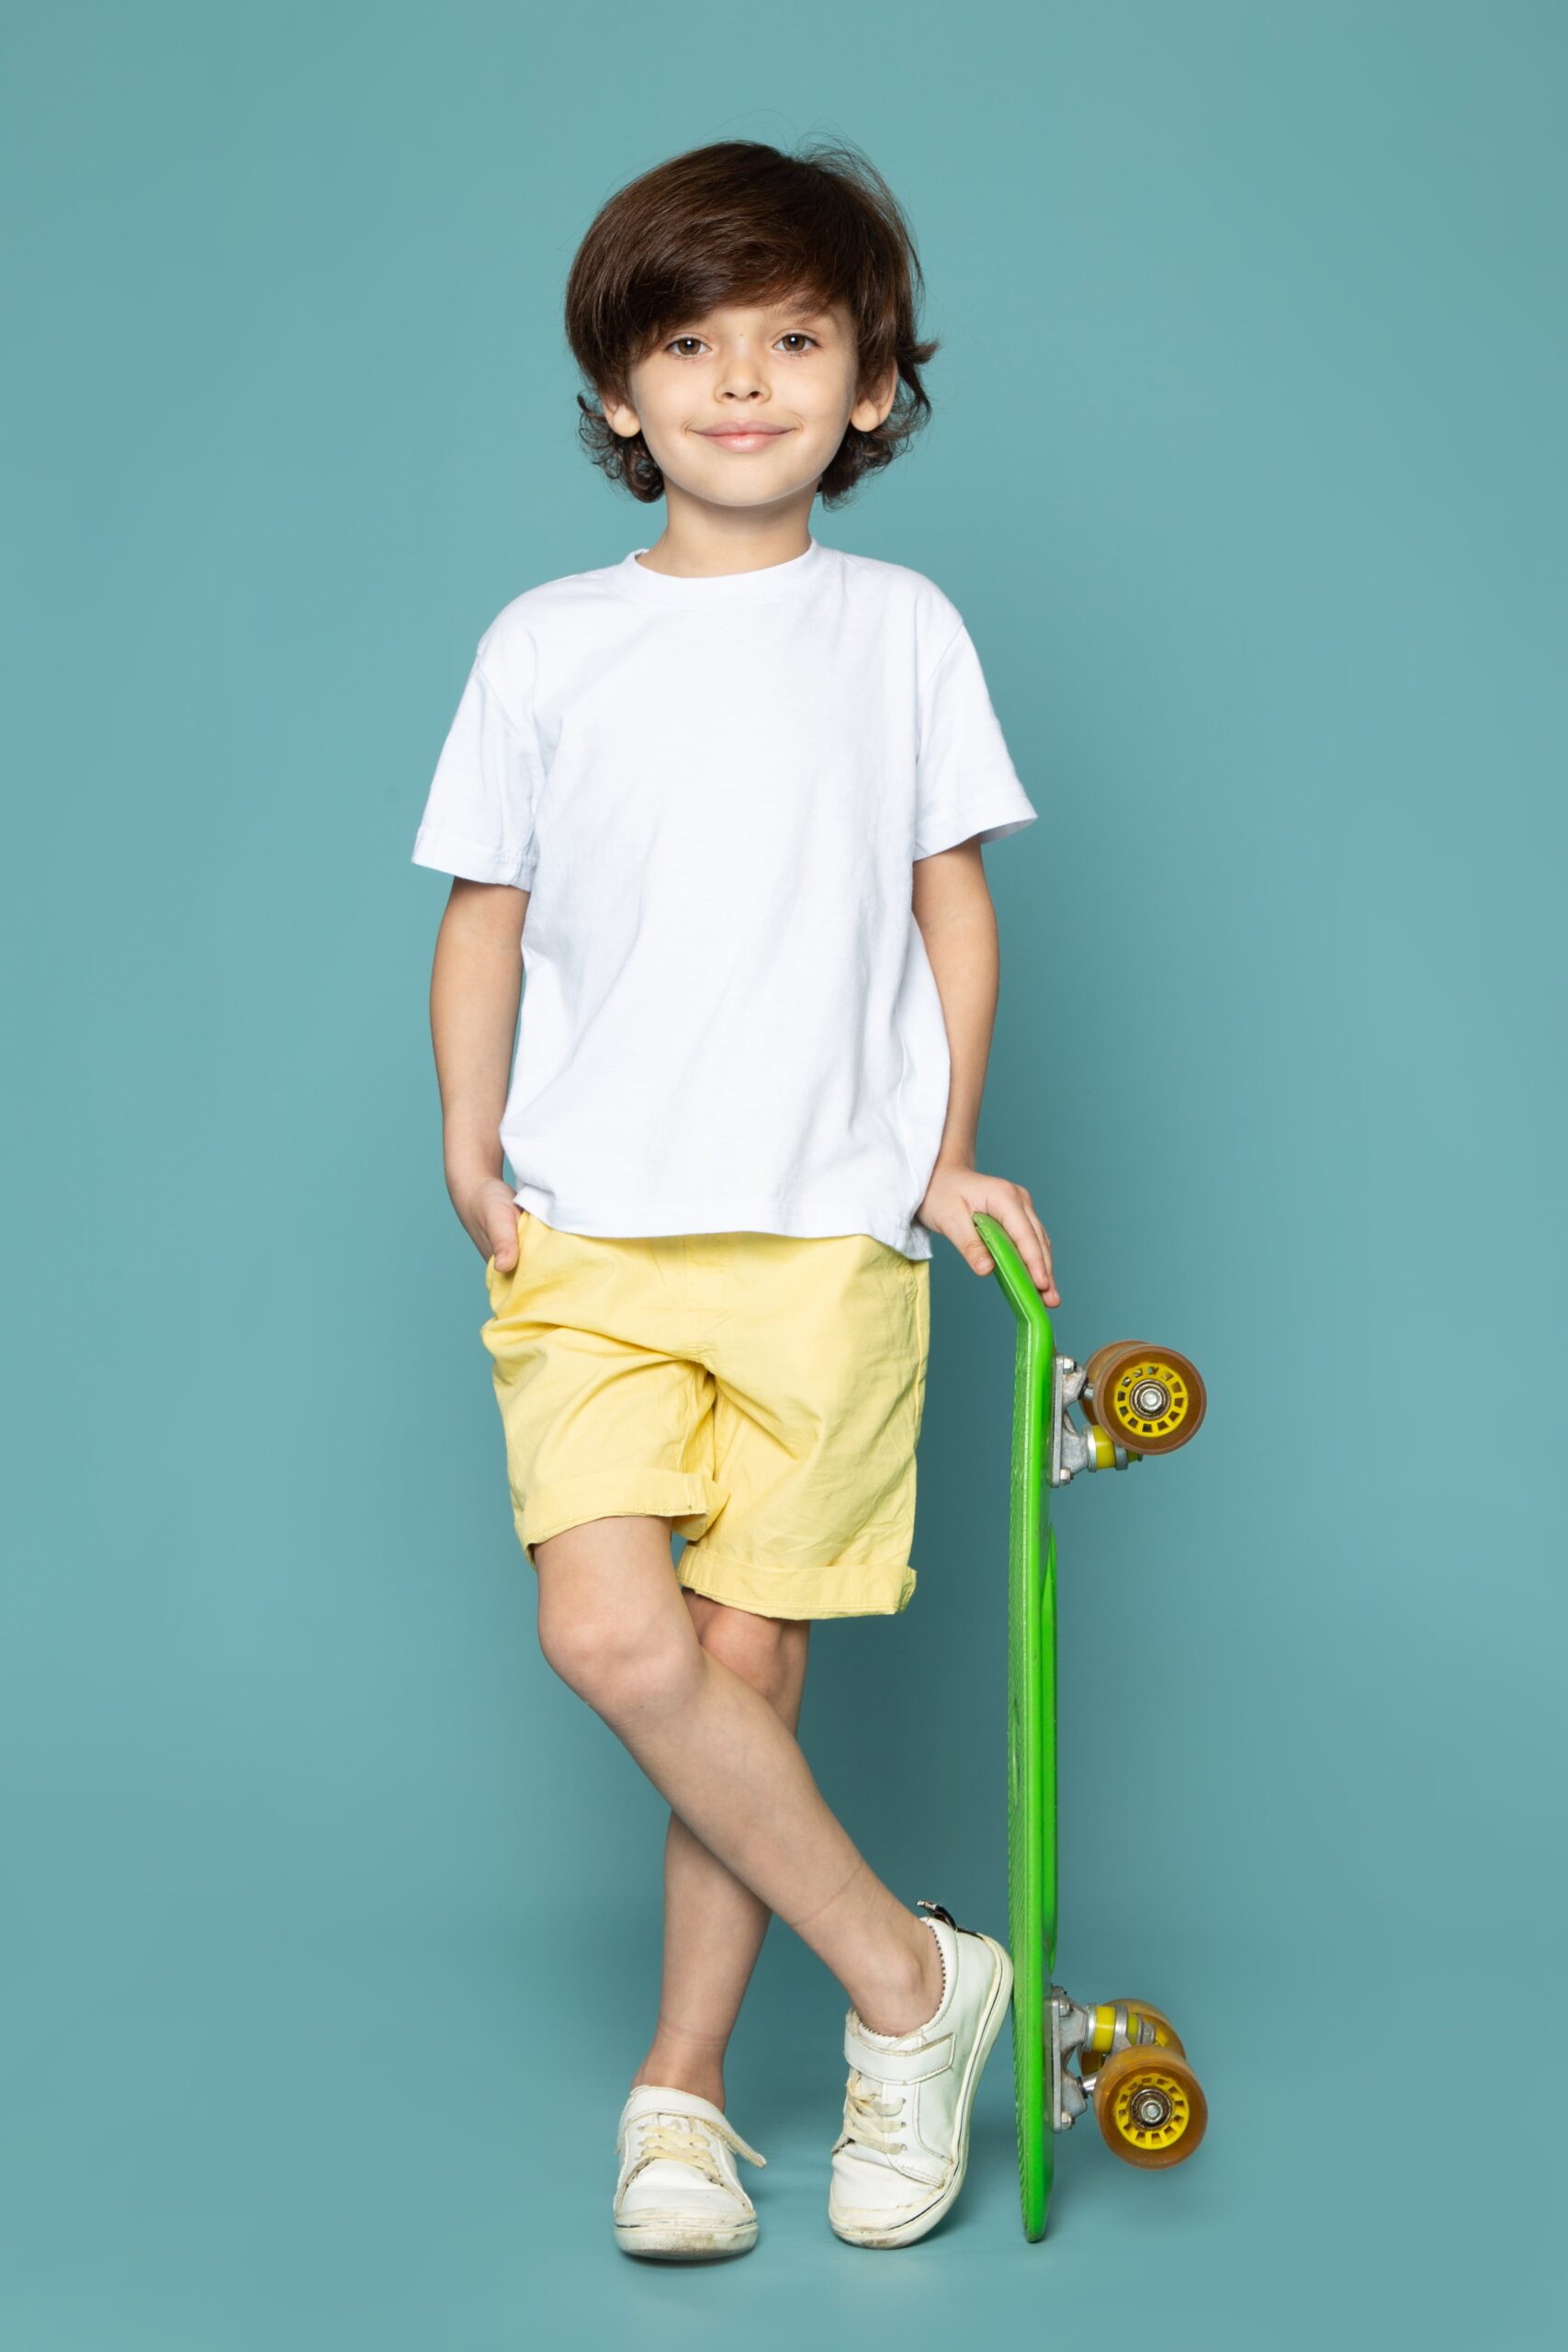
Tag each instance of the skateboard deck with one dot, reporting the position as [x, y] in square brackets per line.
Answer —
[1032, 1723]
[1123, 2059]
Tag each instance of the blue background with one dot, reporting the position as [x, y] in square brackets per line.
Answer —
[333, 1917]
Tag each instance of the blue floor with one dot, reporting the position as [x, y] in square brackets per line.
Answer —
[391, 2126]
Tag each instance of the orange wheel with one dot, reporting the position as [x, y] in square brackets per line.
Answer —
[1150, 2107]
[1089, 2059]
[1150, 1399]
[1093, 1369]
[1156, 2017]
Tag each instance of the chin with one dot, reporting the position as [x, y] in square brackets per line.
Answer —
[746, 480]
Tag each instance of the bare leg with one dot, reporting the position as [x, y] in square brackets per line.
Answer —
[614, 1627]
[715, 1927]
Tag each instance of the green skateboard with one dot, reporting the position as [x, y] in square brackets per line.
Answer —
[1124, 2058]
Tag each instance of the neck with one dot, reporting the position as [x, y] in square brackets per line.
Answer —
[700, 540]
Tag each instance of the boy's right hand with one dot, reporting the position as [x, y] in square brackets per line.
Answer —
[490, 1216]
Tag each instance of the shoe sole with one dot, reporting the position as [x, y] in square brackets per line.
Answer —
[670, 2239]
[915, 2227]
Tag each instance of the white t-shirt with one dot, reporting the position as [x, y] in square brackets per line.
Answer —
[715, 790]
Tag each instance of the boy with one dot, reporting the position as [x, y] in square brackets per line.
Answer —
[737, 784]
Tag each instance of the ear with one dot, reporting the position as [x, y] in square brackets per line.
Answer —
[874, 404]
[619, 415]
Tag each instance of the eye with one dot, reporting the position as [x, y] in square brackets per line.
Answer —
[797, 335]
[675, 341]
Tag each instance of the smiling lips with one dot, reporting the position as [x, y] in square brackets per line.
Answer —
[743, 436]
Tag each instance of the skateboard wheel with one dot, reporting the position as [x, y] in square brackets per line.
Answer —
[1150, 2107]
[1145, 2009]
[1150, 1399]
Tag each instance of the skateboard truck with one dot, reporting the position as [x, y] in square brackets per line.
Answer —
[1073, 1449]
[1125, 2059]
[1138, 1400]
[1091, 2035]
[1133, 2071]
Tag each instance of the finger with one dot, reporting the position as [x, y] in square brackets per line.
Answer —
[971, 1247]
[1044, 1240]
[1033, 1245]
[1042, 1237]
[1048, 1290]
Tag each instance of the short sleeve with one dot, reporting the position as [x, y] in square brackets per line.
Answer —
[478, 815]
[966, 784]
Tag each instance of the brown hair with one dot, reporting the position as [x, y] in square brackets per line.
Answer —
[741, 220]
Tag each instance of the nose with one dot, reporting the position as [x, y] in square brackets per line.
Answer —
[741, 380]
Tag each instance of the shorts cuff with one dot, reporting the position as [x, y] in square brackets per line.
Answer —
[862, 1589]
[690, 1497]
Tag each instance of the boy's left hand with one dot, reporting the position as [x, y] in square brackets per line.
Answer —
[952, 1196]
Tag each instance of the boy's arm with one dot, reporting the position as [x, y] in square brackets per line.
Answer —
[958, 924]
[476, 984]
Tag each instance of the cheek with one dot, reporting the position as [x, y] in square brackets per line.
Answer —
[650, 393]
[832, 396]
[661, 427]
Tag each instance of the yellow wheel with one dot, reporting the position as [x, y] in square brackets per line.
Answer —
[1150, 2107]
[1093, 1369]
[1089, 2059]
[1149, 1399]
[1156, 2017]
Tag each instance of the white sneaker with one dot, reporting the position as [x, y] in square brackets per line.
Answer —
[900, 2161]
[679, 2195]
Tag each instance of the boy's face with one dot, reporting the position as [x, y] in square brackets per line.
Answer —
[746, 406]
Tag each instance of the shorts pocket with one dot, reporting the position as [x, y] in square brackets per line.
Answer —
[497, 1282]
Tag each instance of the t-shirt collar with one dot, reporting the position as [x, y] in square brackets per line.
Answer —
[771, 580]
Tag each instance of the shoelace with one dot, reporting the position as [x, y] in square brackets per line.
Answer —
[667, 2136]
[869, 2118]
[688, 2139]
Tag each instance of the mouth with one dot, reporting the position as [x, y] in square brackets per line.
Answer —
[742, 437]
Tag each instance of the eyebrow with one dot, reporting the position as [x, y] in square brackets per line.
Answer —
[812, 314]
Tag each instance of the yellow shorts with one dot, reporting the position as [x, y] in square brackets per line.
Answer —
[762, 1390]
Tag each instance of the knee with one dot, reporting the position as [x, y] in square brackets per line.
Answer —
[767, 1652]
[614, 1663]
